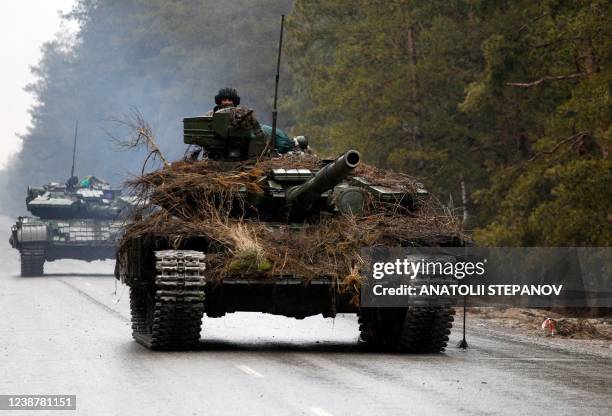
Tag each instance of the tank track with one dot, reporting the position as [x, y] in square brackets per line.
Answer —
[167, 313]
[409, 330]
[32, 261]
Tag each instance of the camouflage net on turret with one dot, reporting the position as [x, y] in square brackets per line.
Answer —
[189, 199]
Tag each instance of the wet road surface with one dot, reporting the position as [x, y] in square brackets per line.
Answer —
[69, 333]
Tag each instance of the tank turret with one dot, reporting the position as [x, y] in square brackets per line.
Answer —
[90, 198]
[233, 134]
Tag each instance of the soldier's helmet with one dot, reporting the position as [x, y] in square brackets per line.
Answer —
[228, 93]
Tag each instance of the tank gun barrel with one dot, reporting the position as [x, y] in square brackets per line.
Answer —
[301, 197]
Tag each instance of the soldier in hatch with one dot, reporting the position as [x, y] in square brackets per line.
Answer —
[229, 98]
[226, 97]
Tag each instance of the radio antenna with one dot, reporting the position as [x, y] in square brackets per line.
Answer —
[76, 132]
[274, 111]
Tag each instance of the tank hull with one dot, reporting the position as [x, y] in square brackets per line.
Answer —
[287, 295]
[41, 240]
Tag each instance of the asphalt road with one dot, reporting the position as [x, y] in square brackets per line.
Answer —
[69, 333]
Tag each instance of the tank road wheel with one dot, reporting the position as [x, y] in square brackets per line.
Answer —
[32, 261]
[426, 329]
[167, 314]
[411, 330]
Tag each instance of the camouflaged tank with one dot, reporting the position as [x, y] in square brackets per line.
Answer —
[170, 273]
[76, 220]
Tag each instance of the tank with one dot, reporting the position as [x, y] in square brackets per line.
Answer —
[73, 220]
[189, 257]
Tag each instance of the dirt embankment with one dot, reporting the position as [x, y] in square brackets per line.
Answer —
[594, 332]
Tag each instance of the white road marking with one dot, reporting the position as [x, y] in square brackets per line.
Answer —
[249, 371]
[319, 412]
[573, 360]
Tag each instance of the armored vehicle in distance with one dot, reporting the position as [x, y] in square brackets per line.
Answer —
[76, 220]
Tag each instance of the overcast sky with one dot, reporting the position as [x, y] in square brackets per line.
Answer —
[24, 26]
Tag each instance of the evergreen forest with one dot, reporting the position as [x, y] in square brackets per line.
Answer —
[501, 108]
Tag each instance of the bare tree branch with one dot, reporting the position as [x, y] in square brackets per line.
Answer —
[535, 19]
[573, 139]
[541, 80]
[139, 135]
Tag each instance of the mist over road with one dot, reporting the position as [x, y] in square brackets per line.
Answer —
[69, 333]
